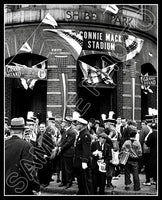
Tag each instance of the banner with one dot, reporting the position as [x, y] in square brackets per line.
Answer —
[102, 41]
[22, 71]
[147, 80]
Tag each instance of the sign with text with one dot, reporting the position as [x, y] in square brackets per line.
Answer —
[149, 80]
[102, 41]
[25, 72]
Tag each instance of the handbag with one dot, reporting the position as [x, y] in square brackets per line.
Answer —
[115, 157]
[123, 157]
[102, 166]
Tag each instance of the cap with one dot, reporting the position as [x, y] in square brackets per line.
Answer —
[103, 135]
[29, 121]
[68, 119]
[82, 121]
[148, 118]
[113, 121]
[51, 118]
[97, 122]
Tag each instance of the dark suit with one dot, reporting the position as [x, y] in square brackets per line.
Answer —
[67, 154]
[45, 173]
[99, 178]
[83, 154]
[17, 155]
[125, 135]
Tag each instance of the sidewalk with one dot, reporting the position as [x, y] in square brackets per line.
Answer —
[53, 188]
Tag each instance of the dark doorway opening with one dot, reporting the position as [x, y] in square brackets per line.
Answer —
[94, 105]
[29, 100]
[99, 98]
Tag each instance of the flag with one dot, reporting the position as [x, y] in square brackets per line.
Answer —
[73, 38]
[49, 20]
[133, 46]
[26, 47]
[90, 73]
[112, 8]
[95, 75]
[107, 74]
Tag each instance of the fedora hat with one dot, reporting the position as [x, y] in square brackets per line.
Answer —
[103, 135]
[18, 123]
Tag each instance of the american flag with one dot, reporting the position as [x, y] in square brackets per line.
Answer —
[94, 75]
[74, 38]
[133, 46]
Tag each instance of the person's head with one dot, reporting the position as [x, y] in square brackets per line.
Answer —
[91, 122]
[42, 127]
[118, 120]
[30, 123]
[132, 123]
[51, 121]
[132, 131]
[102, 137]
[97, 123]
[50, 130]
[80, 124]
[124, 121]
[154, 125]
[143, 123]
[17, 126]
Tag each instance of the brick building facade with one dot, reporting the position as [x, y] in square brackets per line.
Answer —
[23, 23]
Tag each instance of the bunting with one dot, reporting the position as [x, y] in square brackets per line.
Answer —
[48, 19]
[26, 47]
[28, 82]
[133, 46]
[94, 75]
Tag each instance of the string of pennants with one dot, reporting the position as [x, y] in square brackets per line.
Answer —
[74, 38]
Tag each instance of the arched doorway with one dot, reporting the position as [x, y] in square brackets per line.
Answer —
[24, 100]
[148, 99]
[95, 99]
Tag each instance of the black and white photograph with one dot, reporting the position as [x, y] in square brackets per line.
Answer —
[81, 100]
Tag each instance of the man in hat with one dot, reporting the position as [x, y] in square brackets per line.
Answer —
[19, 180]
[66, 149]
[132, 146]
[101, 155]
[33, 137]
[144, 164]
[82, 158]
[152, 143]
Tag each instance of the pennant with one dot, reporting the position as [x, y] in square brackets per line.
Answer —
[49, 20]
[26, 47]
[133, 46]
[73, 38]
[24, 83]
[112, 8]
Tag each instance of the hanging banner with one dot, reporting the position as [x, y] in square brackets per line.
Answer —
[102, 41]
[25, 72]
[147, 80]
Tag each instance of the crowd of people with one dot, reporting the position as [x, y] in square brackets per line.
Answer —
[93, 152]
